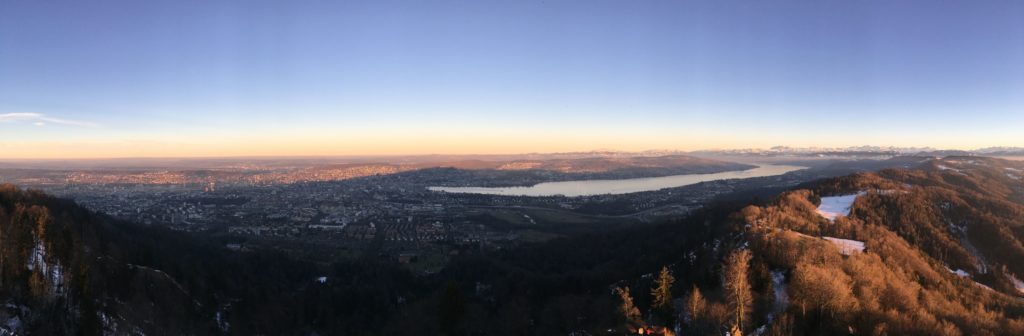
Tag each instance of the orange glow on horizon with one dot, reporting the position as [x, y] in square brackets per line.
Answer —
[453, 141]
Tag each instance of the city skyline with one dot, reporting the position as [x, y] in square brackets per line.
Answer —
[196, 79]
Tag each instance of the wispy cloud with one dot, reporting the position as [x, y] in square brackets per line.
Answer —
[40, 119]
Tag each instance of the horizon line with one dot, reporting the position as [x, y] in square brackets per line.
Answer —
[329, 156]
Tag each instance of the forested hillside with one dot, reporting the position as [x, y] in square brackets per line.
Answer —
[67, 271]
[938, 249]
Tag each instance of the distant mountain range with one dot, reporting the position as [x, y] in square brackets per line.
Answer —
[866, 150]
[306, 161]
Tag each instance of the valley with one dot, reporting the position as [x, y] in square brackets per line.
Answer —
[396, 215]
[824, 242]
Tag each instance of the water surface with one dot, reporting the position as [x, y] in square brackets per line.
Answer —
[624, 186]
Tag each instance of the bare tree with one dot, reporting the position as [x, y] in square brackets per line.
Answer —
[737, 288]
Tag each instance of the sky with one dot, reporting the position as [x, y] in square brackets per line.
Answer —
[241, 78]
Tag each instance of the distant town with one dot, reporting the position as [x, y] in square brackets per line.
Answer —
[385, 210]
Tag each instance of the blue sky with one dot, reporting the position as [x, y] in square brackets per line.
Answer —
[202, 78]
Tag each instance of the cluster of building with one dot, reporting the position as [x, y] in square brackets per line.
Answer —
[389, 214]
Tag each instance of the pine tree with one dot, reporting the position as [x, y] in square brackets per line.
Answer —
[737, 288]
[628, 308]
[662, 293]
[696, 305]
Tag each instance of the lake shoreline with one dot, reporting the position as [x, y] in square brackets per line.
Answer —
[621, 186]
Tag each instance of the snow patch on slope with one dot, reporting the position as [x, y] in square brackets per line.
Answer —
[781, 297]
[959, 272]
[53, 274]
[1019, 285]
[222, 323]
[963, 274]
[835, 206]
[846, 246]
[944, 167]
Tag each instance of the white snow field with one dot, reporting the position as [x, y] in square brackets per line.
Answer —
[834, 206]
[846, 246]
[1019, 285]
[960, 273]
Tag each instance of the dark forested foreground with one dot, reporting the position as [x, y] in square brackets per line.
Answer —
[940, 256]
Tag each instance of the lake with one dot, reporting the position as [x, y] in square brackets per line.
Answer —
[624, 186]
